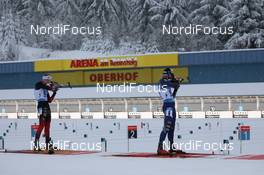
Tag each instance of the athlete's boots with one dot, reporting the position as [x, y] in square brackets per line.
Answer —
[36, 145]
[49, 146]
[162, 151]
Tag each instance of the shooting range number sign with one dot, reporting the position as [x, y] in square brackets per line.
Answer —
[34, 129]
[244, 133]
[132, 132]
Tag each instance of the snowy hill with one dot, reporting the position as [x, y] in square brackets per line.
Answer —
[29, 53]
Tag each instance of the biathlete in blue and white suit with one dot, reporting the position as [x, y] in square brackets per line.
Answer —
[169, 86]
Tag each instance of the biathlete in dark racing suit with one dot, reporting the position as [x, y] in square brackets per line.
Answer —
[169, 86]
[43, 98]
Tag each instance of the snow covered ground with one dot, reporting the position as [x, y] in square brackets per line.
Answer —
[29, 53]
[11, 164]
[115, 132]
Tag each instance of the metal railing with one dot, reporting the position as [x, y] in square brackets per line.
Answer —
[224, 103]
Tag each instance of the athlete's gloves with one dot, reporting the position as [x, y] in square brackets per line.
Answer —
[55, 86]
[176, 83]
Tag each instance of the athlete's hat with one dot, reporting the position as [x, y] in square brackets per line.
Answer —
[167, 73]
[46, 77]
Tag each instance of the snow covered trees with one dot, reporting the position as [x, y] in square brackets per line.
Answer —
[68, 10]
[133, 26]
[247, 17]
[208, 13]
[105, 12]
[141, 20]
[170, 12]
[112, 16]
[37, 10]
[11, 36]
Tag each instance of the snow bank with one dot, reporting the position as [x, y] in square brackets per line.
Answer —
[29, 54]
